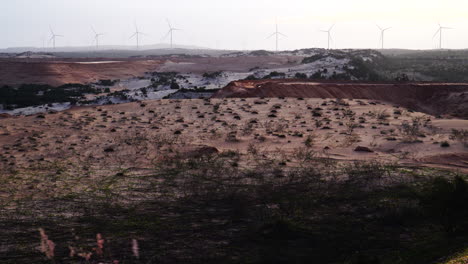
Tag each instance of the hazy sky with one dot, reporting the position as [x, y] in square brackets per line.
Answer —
[236, 24]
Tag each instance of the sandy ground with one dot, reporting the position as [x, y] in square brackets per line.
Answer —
[58, 72]
[133, 134]
[17, 72]
[234, 64]
[433, 98]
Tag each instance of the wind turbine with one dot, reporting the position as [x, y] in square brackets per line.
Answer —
[96, 37]
[329, 35]
[382, 34]
[277, 34]
[137, 34]
[439, 31]
[170, 32]
[54, 36]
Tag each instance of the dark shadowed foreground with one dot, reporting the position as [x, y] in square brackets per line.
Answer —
[208, 207]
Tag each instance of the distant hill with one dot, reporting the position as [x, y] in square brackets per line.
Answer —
[101, 48]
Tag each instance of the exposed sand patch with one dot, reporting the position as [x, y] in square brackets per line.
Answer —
[334, 128]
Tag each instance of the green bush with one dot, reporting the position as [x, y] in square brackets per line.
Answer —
[38, 94]
[300, 75]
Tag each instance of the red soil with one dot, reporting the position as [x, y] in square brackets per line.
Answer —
[434, 98]
[16, 72]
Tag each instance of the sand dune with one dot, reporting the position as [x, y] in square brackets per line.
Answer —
[433, 98]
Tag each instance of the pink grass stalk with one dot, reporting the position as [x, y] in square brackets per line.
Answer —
[100, 244]
[135, 248]
[47, 245]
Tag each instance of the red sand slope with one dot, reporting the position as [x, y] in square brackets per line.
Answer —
[434, 98]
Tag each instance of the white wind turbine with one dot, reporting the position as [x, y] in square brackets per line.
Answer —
[96, 37]
[439, 31]
[382, 34]
[54, 36]
[277, 34]
[170, 32]
[329, 35]
[137, 35]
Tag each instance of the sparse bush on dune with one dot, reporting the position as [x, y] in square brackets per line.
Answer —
[445, 144]
[412, 131]
[212, 75]
[460, 135]
[300, 75]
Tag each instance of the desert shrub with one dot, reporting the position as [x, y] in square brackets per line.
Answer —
[299, 75]
[212, 75]
[309, 142]
[460, 135]
[411, 130]
[107, 82]
[274, 74]
[362, 70]
[402, 77]
[36, 94]
[382, 115]
[313, 58]
[175, 85]
[232, 137]
[260, 53]
[251, 77]
[317, 75]
[350, 126]
[445, 144]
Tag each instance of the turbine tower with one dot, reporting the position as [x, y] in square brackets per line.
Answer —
[439, 31]
[96, 37]
[329, 35]
[54, 36]
[170, 32]
[277, 34]
[382, 34]
[137, 35]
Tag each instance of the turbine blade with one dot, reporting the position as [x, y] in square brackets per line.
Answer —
[168, 23]
[93, 30]
[437, 32]
[282, 34]
[167, 34]
[133, 35]
[378, 26]
[136, 26]
[271, 35]
[331, 27]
